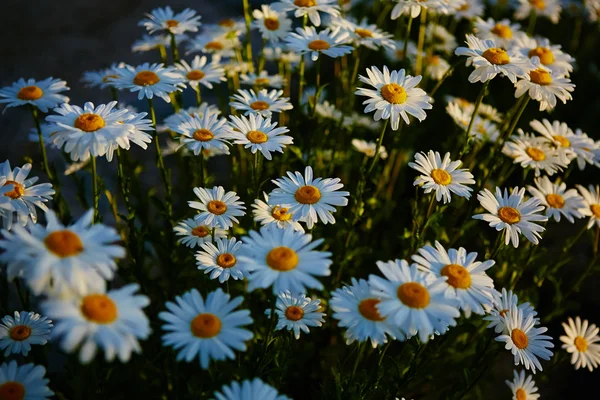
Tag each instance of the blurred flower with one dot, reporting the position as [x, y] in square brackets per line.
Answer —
[273, 26]
[263, 79]
[274, 214]
[332, 43]
[591, 208]
[101, 78]
[439, 39]
[364, 34]
[312, 8]
[551, 56]
[523, 388]
[165, 20]
[369, 148]
[581, 340]
[24, 382]
[569, 145]
[502, 32]
[219, 45]
[502, 302]
[199, 71]
[249, 390]
[542, 8]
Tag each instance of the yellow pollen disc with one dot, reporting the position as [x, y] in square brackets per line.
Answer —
[227, 23]
[203, 135]
[581, 344]
[307, 195]
[216, 207]
[108, 77]
[99, 308]
[496, 56]
[400, 53]
[261, 81]
[502, 31]
[294, 313]
[195, 75]
[441, 177]
[564, 142]
[545, 55]
[535, 154]
[17, 192]
[205, 325]
[413, 295]
[509, 215]
[539, 4]
[259, 105]
[214, 46]
[519, 338]
[393, 93]
[464, 7]
[12, 391]
[458, 276]
[226, 260]
[20, 332]
[305, 3]
[282, 259]
[555, 200]
[257, 137]
[63, 243]
[200, 231]
[30, 93]
[271, 23]
[363, 33]
[368, 309]
[503, 313]
[595, 208]
[520, 394]
[433, 60]
[89, 122]
[540, 77]
[146, 78]
[318, 45]
[171, 23]
[281, 214]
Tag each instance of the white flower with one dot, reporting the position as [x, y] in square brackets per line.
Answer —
[332, 43]
[25, 329]
[412, 7]
[263, 79]
[274, 214]
[369, 148]
[470, 10]
[542, 8]
[173, 121]
[569, 144]
[149, 80]
[440, 39]
[535, 152]
[25, 382]
[199, 133]
[259, 134]
[364, 34]
[551, 56]
[297, 313]
[581, 340]
[101, 78]
[511, 214]
[231, 26]
[273, 26]
[217, 208]
[44, 94]
[591, 208]
[165, 20]
[219, 45]
[326, 110]
[436, 67]
[278, 54]
[249, 390]
[264, 103]
[397, 54]
[220, 261]
[312, 8]
[502, 302]
[544, 88]
[152, 42]
[195, 234]
[502, 32]
[557, 199]
[522, 388]
[207, 329]
[199, 71]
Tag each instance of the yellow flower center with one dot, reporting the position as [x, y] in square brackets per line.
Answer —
[63, 243]
[539, 4]
[307, 195]
[259, 105]
[540, 77]
[545, 55]
[261, 81]
[519, 338]
[227, 23]
[363, 33]
[257, 137]
[282, 259]
[109, 77]
[203, 135]
[305, 3]
[393, 93]
[458, 276]
[271, 23]
[89, 122]
[146, 78]
[281, 214]
[171, 23]
[12, 391]
[520, 394]
[214, 46]
[294, 313]
[464, 7]
[226, 260]
[368, 309]
[30, 93]
[502, 31]
[318, 45]
[555, 200]
[17, 192]
[195, 75]
[509, 215]
[581, 344]
[496, 56]
[205, 325]
[564, 142]
[595, 210]
[216, 207]
[200, 231]
[400, 53]
[99, 308]
[413, 295]
[535, 154]
[441, 177]
[433, 60]
[20, 332]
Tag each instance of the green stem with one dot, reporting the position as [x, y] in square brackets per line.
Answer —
[36, 121]
[361, 350]
[174, 49]
[478, 102]
[95, 196]
[198, 95]
[302, 66]
[378, 148]
[261, 60]
[446, 75]
[248, 44]
[163, 53]
[407, 36]
[161, 164]
[421, 42]
[202, 171]
[532, 20]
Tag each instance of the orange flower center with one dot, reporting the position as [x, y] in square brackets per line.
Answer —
[368, 309]
[216, 207]
[200, 231]
[261, 81]
[581, 344]
[496, 56]
[393, 93]
[545, 55]
[171, 23]
[521, 395]
[433, 60]
[540, 77]
[259, 105]
[12, 391]
[195, 75]
[18, 190]
[30, 93]
[318, 45]
[305, 3]
[146, 78]
[99, 308]
[595, 208]
[413, 295]
[503, 313]
[282, 259]
[20, 332]
[555, 200]
[519, 338]
[458, 276]
[281, 214]
[502, 31]
[363, 33]
[441, 177]
[205, 325]
[294, 313]
[535, 154]
[564, 142]
[203, 135]
[226, 260]
[307, 194]
[509, 215]
[63, 243]
[227, 23]
[89, 122]
[271, 23]
[464, 7]
[257, 137]
[214, 46]
[539, 4]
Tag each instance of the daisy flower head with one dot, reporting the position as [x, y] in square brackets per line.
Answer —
[25, 329]
[217, 209]
[503, 302]
[266, 214]
[272, 25]
[569, 144]
[369, 148]
[440, 39]
[199, 133]
[58, 260]
[512, 214]
[264, 102]
[149, 80]
[254, 389]
[326, 110]
[466, 278]
[443, 176]
[153, 42]
[263, 79]
[332, 43]
[435, 67]
[282, 54]
[297, 312]
[284, 259]
[523, 387]
[43, 95]
[557, 199]
[581, 340]
[397, 54]
[395, 95]
[194, 234]
[113, 321]
[220, 261]
[543, 87]
[208, 328]
[551, 56]
[25, 382]
[470, 9]
[502, 32]
[365, 34]
[591, 208]
[165, 20]
[312, 8]
[412, 7]
[524, 340]
[231, 26]
[534, 152]
[219, 45]
[259, 134]
[490, 59]
[309, 199]
[201, 72]
[542, 8]
[173, 121]
[101, 78]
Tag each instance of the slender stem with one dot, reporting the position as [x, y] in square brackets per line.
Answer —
[476, 109]
[257, 172]
[361, 350]
[532, 20]
[517, 117]
[407, 36]
[421, 41]
[95, 196]
[446, 75]
[387, 346]
[378, 147]
[36, 121]
[161, 164]
[496, 247]
[302, 62]
[356, 67]
[198, 95]
[261, 60]
[212, 236]
[248, 20]
[174, 49]
[202, 171]
[163, 53]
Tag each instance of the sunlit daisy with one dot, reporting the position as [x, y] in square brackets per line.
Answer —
[273, 25]
[198, 133]
[365, 34]
[470, 10]
[25, 329]
[581, 340]
[217, 208]
[502, 32]
[412, 7]
[545, 88]
[149, 80]
[219, 45]
[101, 78]
[264, 102]
[332, 43]
[312, 8]
[25, 382]
[534, 152]
[173, 121]
[502, 302]
[44, 94]
[551, 56]
[369, 148]
[194, 234]
[542, 8]
[274, 214]
[523, 387]
[440, 39]
[259, 134]
[254, 389]
[201, 72]
[263, 79]
[591, 208]
[208, 328]
[297, 313]
[435, 67]
[557, 199]
[166, 20]
[220, 261]
[568, 143]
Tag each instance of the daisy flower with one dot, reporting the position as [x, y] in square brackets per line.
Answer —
[309, 199]
[502, 302]
[264, 103]
[470, 9]
[364, 34]
[233, 26]
[534, 152]
[312, 8]
[220, 261]
[21, 196]
[369, 148]
[165, 20]
[217, 208]
[59, 260]
[551, 56]
[466, 278]
[25, 329]
[544, 88]
[152, 42]
[440, 39]
[542, 8]
[263, 79]
[207, 329]
[43, 95]
[557, 199]
[490, 59]
[356, 309]
[101, 78]
[512, 214]
[523, 387]
[397, 54]
[297, 313]
[266, 214]
[443, 176]
[569, 145]
[501, 32]
[327, 110]
[284, 259]
[194, 234]
[332, 43]
[199, 71]
[581, 340]
[436, 67]
[149, 80]
[254, 389]
[524, 340]
[591, 207]
[259, 134]
[279, 54]
[272, 25]
[199, 133]
[412, 7]
[219, 45]
[395, 95]
[173, 121]
[24, 382]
